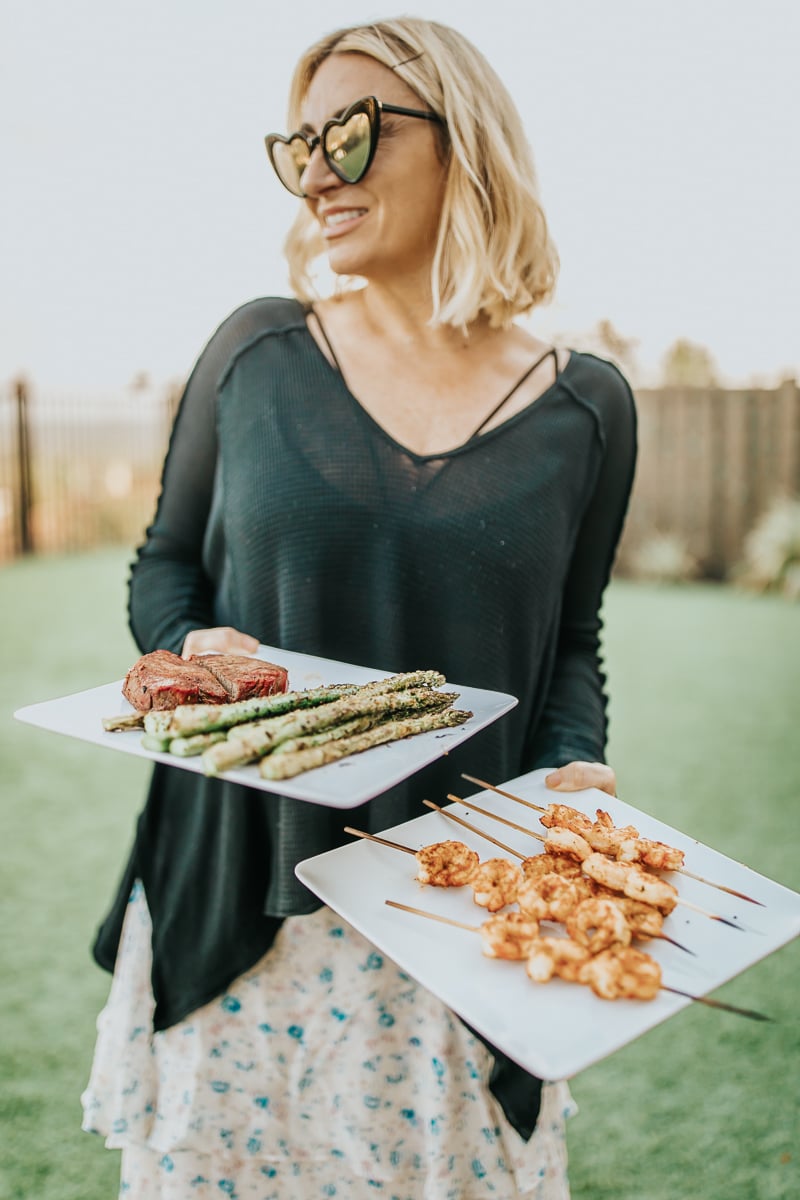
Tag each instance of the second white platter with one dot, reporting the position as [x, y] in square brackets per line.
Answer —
[556, 1029]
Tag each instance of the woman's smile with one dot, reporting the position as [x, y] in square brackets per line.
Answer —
[337, 221]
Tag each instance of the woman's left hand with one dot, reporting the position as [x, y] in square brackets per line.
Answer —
[578, 775]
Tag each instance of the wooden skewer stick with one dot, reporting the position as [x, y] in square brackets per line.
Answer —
[490, 787]
[474, 829]
[433, 916]
[741, 1012]
[539, 837]
[752, 1013]
[373, 837]
[721, 886]
[682, 870]
[662, 936]
[485, 812]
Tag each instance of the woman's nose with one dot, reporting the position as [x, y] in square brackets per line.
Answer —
[317, 176]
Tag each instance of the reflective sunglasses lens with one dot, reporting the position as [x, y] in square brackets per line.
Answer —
[347, 146]
[290, 159]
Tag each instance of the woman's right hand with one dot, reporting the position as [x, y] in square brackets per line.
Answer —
[220, 640]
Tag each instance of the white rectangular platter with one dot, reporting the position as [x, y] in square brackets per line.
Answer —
[343, 784]
[556, 1029]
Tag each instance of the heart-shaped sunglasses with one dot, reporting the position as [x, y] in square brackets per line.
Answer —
[348, 143]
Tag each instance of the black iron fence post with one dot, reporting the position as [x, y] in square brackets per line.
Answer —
[24, 535]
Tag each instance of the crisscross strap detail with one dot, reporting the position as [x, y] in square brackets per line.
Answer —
[492, 413]
[527, 374]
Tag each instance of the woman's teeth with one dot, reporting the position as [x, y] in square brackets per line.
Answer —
[338, 218]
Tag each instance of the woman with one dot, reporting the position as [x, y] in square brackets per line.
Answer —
[395, 476]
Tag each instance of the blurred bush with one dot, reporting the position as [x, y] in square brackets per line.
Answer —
[661, 558]
[771, 558]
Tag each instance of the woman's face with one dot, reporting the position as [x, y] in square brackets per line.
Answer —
[384, 226]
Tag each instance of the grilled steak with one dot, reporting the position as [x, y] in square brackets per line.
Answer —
[165, 680]
[162, 679]
[244, 677]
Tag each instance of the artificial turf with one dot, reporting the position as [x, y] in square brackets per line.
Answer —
[705, 685]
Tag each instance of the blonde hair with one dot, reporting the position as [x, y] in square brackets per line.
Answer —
[494, 255]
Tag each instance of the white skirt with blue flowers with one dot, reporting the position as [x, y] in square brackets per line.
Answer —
[325, 1071]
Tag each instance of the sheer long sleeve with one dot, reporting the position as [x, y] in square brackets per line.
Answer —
[573, 724]
[170, 591]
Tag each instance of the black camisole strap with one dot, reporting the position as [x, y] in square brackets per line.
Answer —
[311, 311]
[516, 386]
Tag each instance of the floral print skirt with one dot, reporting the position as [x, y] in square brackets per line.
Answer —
[325, 1071]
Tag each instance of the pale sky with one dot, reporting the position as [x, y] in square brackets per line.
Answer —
[138, 206]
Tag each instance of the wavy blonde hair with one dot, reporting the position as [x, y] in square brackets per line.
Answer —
[494, 255]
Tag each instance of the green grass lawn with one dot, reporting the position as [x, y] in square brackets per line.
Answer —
[706, 700]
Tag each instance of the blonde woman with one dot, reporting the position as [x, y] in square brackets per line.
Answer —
[395, 475]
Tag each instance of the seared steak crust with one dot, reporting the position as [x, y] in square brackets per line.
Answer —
[162, 680]
[244, 677]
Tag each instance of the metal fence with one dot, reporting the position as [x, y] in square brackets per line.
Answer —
[77, 471]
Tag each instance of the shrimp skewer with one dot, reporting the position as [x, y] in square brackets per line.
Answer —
[504, 935]
[625, 843]
[680, 868]
[565, 841]
[569, 960]
[548, 894]
[558, 840]
[640, 885]
[452, 864]
[442, 864]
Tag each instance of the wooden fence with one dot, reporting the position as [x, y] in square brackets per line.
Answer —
[711, 462]
[76, 472]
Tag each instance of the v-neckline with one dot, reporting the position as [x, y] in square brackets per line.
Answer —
[477, 437]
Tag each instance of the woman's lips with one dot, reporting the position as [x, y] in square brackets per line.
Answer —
[338, 221]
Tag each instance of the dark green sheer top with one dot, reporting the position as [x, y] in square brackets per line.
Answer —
[288, 513]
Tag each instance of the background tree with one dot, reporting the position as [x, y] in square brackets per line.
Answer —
[687, 364]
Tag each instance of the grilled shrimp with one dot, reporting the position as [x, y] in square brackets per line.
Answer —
[551, 864]
[631, 881]
[644, 921]
[564, 817]
[598, 924]
[656, 855]
[495, 883]
[622, 973]
[605, 837]
[508, 935]
[564, 841]
[446, 864]
[551, 897]
[559, 956]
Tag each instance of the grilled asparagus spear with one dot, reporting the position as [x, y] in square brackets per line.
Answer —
[258, 741]
[188, 719]
[186, 747]
[293, 757]
[125, 721]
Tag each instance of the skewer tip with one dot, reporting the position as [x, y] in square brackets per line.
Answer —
[732, 924]
[751, 1013]
[680, 945]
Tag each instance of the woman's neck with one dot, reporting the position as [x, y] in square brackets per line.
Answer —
[401, 315]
